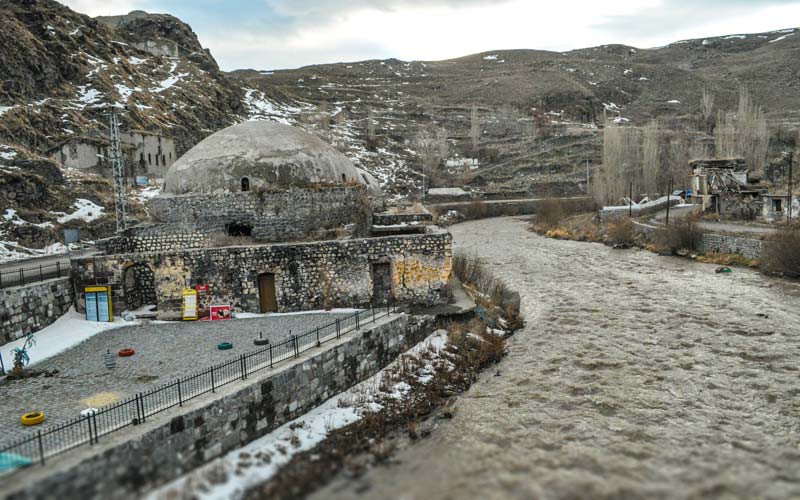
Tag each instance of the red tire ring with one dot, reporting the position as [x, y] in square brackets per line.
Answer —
[124, 353]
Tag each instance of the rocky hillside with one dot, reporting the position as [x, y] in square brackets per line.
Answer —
[59, 72]
[540, 112]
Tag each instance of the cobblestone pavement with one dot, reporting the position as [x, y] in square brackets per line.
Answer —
[164, 352]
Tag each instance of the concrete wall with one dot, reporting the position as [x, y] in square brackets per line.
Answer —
[29, 308]
[307, 275]
[293, 214]
[182, 439]
[149, 154]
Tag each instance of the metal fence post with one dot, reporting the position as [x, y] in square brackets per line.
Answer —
[141, 401]
[41, 278]
[138, 413]
[244, 367]
[357, 326]
[180, 396]
[41, 447]
[296, 350]
[318, 344]
[213, 389]
[22, 276]
[58, 268]
[89, 425]
[338, 329]
[270, 355]
[373, 312]
[94, 424]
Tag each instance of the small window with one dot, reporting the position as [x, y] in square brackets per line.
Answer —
[156, 160]
[365, 179]
[149, 159]
[344, 178]
[777, 206]
[245, 184]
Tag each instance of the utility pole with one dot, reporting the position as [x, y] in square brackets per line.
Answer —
[669, 199]
[630, 201]
[791, 163]
[120, 192]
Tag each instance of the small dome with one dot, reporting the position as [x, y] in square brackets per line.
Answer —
[261, 154]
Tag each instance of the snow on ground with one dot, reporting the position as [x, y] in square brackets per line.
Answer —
[4, 109]
[171, 80]
[148, 193]
[10, 215]
[292, 438]
[490, 58]
[6, 152]
[88, 95]
[452, 191]
[86, 210]
[784, 37]
[259, 107]
[69, 330]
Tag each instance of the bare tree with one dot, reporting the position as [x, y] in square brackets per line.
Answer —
[433, 148]
[650, 157]
[371, 125]
[475, 129]
[744, 134]
[707, 106]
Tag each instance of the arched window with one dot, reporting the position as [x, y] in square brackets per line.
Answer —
[149, 159]
[245, 184]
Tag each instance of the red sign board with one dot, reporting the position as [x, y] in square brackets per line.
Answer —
[219, 313]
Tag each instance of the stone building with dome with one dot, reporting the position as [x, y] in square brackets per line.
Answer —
[268, 218]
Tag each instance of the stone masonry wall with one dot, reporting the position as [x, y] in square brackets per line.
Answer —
[307, 276]
[749, 247]
[294, 214]
[29, 308]
[211, 429]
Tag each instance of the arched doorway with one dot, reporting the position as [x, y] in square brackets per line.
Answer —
[138, 285]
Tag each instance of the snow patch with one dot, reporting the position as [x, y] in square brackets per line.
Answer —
[784, 37]
[86, 210]
[490, 58]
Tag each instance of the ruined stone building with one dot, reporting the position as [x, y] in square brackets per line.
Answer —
[270, 218]
[146, 154]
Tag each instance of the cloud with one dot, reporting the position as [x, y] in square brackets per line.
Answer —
[266, 34]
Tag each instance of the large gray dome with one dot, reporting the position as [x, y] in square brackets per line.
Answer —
[261, 154]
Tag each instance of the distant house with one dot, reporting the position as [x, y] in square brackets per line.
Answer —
[145, 154]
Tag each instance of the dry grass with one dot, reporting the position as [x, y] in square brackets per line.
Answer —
[728, 259]
[475, 210]
[220, 240]
[781, 253]
[621, 232]
[550, 214]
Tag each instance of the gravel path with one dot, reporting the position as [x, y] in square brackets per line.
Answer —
[164, 352]
[636, 376]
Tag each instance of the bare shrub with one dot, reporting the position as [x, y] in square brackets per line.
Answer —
[550, 214]
[475, 210]
[475, 129]
[781, 254]
[682, 234]
[621, 231]
[491, 292]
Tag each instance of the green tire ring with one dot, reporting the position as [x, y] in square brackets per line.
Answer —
[225, 346]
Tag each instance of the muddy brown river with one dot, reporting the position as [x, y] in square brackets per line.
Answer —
[636, 376]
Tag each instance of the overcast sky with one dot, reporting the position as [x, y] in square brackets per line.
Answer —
[273, 34]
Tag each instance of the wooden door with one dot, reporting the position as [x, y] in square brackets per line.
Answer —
[266, 293]
[381, 283]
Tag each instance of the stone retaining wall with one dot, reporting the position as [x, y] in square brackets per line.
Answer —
[749, 247]
[27, 309]
[182, 439]
[337, 273]
[293, 214]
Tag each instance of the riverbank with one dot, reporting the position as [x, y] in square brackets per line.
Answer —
[635, 376]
